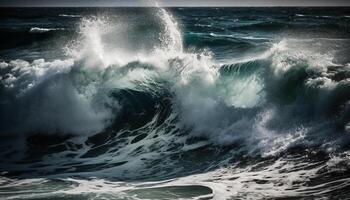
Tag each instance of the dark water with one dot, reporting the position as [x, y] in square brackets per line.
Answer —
[182, 103]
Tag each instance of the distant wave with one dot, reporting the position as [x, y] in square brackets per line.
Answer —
[316, 16]
[67, 15]
[238, 37]
[43, 30]
[203, 25]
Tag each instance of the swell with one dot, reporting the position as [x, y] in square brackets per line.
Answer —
[214, 41]
[29, 44]
[278, 26]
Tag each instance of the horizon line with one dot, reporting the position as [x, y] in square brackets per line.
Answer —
[184, 6]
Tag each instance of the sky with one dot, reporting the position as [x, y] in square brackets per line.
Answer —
[170, 3]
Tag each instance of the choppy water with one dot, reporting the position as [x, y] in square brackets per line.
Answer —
[182, 103]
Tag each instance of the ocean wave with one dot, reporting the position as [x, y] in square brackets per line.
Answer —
[69, 15]
[164, 112]
[276, 26]
[43, 30]
[316, 16]
[238, 37]
[202, 86]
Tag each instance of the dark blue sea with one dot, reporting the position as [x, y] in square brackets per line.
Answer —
[175, 103]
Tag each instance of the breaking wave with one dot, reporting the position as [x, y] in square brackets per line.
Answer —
[145, 104]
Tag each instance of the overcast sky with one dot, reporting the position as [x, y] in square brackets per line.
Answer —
[78, 3]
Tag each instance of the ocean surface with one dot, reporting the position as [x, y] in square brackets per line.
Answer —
[176, 103]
